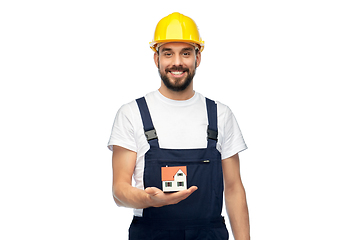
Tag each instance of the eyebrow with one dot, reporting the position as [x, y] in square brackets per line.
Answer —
[166, 49]
[187, 49]
[184, 49]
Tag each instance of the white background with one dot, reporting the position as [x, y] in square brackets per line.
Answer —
[287, 69]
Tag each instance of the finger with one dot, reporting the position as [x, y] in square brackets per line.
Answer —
[152, 191]
[193, 189]
[186, 192]
[181, 195]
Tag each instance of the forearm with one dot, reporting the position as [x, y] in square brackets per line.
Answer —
[126, 195]
[236, 206]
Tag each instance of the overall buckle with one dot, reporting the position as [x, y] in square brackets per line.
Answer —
[151, 134]
[212, 134]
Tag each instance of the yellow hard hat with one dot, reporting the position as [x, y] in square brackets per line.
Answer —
[176, 28]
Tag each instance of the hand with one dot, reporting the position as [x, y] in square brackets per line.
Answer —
[158, 198]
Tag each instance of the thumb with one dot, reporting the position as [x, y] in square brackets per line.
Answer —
[151, 190]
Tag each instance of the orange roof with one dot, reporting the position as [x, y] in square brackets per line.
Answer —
[168, 173]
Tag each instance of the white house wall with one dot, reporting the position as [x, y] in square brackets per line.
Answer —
[174, 186]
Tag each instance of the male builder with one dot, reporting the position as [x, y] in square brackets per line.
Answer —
[181, 149]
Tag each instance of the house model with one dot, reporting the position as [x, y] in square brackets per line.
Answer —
[173, 178]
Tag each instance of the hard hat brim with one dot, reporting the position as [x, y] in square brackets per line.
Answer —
[154, 47]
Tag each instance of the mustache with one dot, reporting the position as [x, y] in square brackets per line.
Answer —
[177, 68]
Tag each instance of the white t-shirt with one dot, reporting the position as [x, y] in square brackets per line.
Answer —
[178, 124]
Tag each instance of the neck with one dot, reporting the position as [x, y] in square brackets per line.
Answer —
[179, 96]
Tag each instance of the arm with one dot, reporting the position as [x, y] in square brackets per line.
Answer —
[235, 198]
[126, 195]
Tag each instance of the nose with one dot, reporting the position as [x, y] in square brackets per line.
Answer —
[177, 60]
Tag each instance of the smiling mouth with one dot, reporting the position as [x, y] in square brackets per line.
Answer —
[177, 73]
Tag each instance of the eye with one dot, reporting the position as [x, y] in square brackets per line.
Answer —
[186, 54]
[167, 54]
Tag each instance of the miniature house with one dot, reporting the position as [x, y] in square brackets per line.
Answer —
[173, 178]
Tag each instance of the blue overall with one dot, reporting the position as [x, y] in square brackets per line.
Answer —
[199, 216]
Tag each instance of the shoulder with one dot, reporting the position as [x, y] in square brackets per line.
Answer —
[222, 109]
[127, 110]
[220, 105]
[131, 108]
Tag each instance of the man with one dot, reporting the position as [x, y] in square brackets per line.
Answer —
[176, 133]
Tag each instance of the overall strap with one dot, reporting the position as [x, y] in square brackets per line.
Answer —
[150, 132]
[149, 129]
[212, 132]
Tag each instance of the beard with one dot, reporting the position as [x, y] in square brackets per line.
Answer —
[178, 85]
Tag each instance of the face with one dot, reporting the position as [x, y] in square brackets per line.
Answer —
[177, 63]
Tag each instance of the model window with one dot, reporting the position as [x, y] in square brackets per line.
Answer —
[179, 174]
[168, 184]
[180, 184]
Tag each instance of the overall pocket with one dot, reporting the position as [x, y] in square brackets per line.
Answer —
[203, 173]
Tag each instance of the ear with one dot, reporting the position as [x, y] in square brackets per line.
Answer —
[198, 58]
[156, 59]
